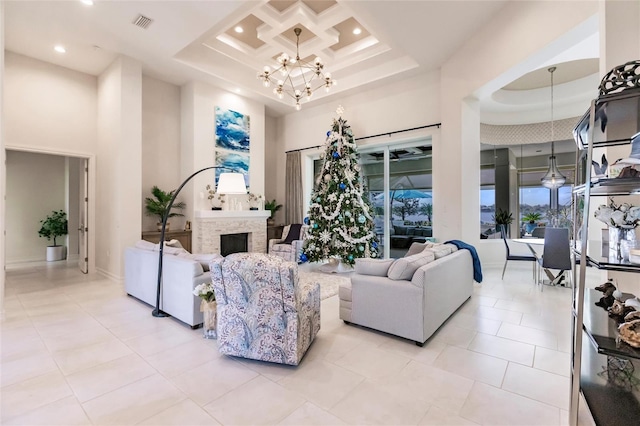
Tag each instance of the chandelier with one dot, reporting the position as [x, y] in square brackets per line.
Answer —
[311, 76]
[553, 179]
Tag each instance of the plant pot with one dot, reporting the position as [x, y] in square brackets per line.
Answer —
[166, 228]
[271, 222]
[55, 253]
[209, 313]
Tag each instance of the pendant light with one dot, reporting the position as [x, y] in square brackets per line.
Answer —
[553, 179]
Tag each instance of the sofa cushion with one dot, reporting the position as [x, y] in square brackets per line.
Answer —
[404, 268]
[375, 267]
[202, 259]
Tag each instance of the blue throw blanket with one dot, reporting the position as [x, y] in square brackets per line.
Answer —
[477, 268]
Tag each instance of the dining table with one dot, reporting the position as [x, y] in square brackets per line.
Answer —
[532, 243]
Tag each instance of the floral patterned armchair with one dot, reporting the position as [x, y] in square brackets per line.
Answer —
[264, 312]
[290, 251]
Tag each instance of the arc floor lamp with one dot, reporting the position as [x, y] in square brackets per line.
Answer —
[229, 183]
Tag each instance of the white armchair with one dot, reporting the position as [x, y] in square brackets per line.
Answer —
[288, 249]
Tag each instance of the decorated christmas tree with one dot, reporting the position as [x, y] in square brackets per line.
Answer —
[340, 219]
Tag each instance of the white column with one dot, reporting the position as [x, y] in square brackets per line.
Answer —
[3, 176]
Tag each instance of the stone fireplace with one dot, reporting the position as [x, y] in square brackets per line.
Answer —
[209, 225]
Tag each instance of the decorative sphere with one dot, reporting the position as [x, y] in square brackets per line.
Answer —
[340, 217]
[318, 199]
[342, 186]
[361, 218]
[347, 213]
[335, 154]
[315, 226]
[375, 245]
[374, 254]
[303, 258]
[306, 220]
[328, 133]
[327, 177]
[361, 248]
[350, 257]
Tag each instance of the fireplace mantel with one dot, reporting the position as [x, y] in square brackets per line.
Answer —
[232, 214]
[210, 224]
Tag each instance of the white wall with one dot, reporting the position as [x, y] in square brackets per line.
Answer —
[521, 37]
[198, 102]
[119, 176]
[49, 107]
[30, 198]
[160, 144]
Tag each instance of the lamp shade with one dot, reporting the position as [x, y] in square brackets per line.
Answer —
[553, 178]
[231, 183]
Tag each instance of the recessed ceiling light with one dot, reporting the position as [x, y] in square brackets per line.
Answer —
[87, 2]
[357, 31]
[60, 49]
[238, 29]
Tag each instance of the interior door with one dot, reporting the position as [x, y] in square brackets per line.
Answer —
[83, 258]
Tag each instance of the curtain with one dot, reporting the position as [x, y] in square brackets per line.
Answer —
[293, 189]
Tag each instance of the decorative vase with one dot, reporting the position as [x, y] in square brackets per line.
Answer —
[209, 312]
[616, 236]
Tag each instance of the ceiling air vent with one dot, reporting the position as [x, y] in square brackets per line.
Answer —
[142, 22]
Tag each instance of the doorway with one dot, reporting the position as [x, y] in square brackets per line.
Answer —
[37, 184]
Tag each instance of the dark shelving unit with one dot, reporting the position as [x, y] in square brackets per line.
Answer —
[603, 367]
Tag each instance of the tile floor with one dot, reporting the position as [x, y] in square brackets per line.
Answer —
[76, 350]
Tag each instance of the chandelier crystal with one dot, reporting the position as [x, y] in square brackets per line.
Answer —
[553, 179]
[310, 76]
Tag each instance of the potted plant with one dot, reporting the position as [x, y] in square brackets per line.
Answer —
[503, 219]
[157, 206]
[53, 226]
[273, 207]
[531, 219]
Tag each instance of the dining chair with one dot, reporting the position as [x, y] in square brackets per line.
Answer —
[538, 232]
[518, 257]
[556, 254]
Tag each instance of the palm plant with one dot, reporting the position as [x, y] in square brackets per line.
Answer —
[158, 206]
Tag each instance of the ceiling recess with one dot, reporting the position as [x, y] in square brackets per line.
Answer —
[142, 22]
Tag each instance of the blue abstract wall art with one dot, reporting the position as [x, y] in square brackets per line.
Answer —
[232, 161]
[232, 130]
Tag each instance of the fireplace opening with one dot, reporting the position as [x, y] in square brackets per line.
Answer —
[233, 243]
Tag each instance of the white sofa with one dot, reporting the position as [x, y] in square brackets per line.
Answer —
[409, 297]
[181, 273]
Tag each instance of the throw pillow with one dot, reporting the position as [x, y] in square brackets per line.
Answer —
[293, 234]
[145, 245]
[439, 250]
[375, 267]
[415, 249]
[405, 267]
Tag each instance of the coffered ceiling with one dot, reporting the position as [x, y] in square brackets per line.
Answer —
[200, 40]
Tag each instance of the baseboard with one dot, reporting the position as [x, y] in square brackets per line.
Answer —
[109, 275]
[24, 260]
